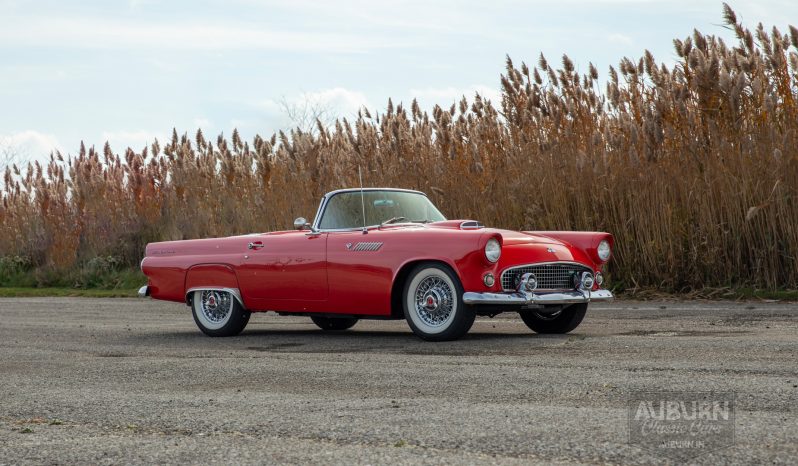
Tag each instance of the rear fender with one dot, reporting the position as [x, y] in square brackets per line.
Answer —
[218, 277]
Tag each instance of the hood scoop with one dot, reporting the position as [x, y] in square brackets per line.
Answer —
[458, 224]
[471, 225]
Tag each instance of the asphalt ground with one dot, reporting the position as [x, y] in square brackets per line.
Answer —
[108, 381]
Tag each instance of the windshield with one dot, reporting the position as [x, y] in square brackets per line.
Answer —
[344, 210]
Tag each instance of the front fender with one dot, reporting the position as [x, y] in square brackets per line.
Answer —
[587, 241]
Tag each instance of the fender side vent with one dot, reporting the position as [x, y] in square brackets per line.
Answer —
[367, 246]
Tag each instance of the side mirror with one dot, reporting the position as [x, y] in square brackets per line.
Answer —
[301, 224]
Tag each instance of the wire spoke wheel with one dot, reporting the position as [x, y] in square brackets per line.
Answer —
[218, 313]
[434, 301]
[216, 305]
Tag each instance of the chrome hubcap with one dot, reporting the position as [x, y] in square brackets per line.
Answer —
[434, 301]
[216, 305]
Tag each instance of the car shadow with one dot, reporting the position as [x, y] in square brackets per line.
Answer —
[275, 341]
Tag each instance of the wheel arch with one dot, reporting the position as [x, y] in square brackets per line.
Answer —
[397, 308]
[218, 277]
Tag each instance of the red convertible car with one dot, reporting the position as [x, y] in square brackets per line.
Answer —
[381, 253]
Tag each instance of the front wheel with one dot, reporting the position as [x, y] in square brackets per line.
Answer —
[218, 314]
[334, 323]
[433, 303]
[562, 321]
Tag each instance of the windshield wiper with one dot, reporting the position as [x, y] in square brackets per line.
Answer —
[392, 220]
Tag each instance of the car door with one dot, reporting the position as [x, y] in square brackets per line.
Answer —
[282, 271]
[360, 271]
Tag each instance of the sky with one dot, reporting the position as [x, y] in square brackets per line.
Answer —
[129, 71]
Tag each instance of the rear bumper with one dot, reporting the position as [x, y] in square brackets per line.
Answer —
[144, 291]
[537, 299]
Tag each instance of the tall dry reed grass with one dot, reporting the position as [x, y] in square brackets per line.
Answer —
[693, 168]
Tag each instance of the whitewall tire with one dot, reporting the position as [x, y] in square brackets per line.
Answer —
[433, 303]
[218, 313]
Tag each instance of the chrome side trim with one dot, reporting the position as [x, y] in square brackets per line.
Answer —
[317, 218]
[357, 190]
[144, 291]
[537, 299]
[234, 291]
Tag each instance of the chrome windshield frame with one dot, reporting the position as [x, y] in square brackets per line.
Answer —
[326, 199]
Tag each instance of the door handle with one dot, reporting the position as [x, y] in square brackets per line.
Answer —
[255, 245]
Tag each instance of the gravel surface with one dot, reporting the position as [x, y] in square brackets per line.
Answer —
[105, 381]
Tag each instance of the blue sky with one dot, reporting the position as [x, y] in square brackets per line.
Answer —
[129, 71]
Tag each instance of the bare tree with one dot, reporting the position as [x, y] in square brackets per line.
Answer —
[306, 111]
[9, 155]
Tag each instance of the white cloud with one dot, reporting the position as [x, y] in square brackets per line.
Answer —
[27, 146]
[618, 38]
[338, 100]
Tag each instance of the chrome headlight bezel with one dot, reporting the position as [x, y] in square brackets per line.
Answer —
[531, 282]
[493, 250]
[604, 251]
[587, 281]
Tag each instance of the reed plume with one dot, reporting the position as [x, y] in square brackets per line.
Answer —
[693, 168]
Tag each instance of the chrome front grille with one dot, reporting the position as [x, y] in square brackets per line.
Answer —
[551, 276]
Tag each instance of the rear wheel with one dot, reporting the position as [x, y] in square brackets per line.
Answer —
[218, 313]
[334, 323]
[562, 321]
[433, 303]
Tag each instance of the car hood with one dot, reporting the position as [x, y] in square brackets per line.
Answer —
[509, 237]
[513, 238]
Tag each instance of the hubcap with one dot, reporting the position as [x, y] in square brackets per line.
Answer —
[216, 305]
[434, 301]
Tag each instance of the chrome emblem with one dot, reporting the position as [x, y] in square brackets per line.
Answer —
[348, 245]
[550, 250]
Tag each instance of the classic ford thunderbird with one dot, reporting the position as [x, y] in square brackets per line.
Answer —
[381, 253]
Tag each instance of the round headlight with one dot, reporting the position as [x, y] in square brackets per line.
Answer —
[493, 250]
[604, 250]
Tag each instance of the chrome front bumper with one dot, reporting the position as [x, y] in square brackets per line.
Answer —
[537, 299]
